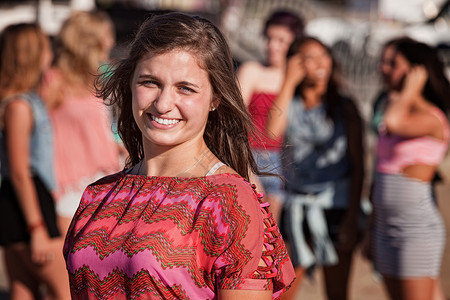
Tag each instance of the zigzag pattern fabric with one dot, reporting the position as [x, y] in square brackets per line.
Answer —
[141, 237]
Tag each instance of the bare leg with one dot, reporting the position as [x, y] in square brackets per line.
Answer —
[295, 287]
[55, 276]
[336, 277]
[275, 206]
[27, 276]
[22, 284]
[63, 224]
[438, 293]
[410, 289]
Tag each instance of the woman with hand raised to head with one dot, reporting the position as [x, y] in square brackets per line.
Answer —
[182, 221]
[408, 232]
[323, 162]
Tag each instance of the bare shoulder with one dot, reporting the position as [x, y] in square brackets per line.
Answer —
[438, 120]
[17, 105]
[226, 169]
[250, 68]
[17, 116]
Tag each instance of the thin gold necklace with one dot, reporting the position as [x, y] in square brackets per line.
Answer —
[194, 165]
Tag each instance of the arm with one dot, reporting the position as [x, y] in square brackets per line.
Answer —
[253, 261]
[278, 114]
[244, 294]
[402, 115]
[18, 125]
[355, 147]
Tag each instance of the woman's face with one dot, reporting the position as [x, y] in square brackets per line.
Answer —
[317, 63]
[171, 99]
[279, 38]
[400, 69]
[386, 65]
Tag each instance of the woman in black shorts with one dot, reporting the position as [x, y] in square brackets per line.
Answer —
[28, 231]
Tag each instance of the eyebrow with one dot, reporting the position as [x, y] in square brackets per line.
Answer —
[188, 83]
[145, 76]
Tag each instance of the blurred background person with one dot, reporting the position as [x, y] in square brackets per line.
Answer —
[260, 84]
[385, 67]
[85, 149]
[28, 229]
[409, 234]
[323, 161]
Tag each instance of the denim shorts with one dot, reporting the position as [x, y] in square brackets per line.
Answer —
[270, 161]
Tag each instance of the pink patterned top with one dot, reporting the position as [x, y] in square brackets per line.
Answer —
[136, 236]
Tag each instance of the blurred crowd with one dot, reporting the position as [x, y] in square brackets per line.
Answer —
[57, 136]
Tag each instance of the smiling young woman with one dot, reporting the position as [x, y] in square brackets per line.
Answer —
[181, 221]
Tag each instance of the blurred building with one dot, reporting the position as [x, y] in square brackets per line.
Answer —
[354, 29]
[48, 13]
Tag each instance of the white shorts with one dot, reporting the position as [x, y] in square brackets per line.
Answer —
[68, 203]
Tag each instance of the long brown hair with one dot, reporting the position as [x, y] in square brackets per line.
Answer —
[437, 87]
[21, 50]
[228, 127]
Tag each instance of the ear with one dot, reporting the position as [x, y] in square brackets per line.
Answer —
[214, 104]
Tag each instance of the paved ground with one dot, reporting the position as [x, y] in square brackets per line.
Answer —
[364, 285]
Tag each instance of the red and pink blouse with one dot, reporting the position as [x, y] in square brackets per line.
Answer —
[143, 237]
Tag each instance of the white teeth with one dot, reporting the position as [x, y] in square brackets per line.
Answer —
[164, 121]
[320, 73]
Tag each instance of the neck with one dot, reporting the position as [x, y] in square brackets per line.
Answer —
[179, 161]
[312, 94]
[311, 98]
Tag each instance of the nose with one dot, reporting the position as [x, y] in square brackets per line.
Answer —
[385, 67]
[165, 101]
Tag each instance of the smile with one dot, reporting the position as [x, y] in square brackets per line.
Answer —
[321, 73]
[164, 121]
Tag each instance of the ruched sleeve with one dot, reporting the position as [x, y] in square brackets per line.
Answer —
[254, 256]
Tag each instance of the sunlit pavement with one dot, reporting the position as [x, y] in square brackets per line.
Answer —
[364, 285]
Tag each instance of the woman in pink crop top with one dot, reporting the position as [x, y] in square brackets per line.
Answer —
[260, 84]
[408, 231]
